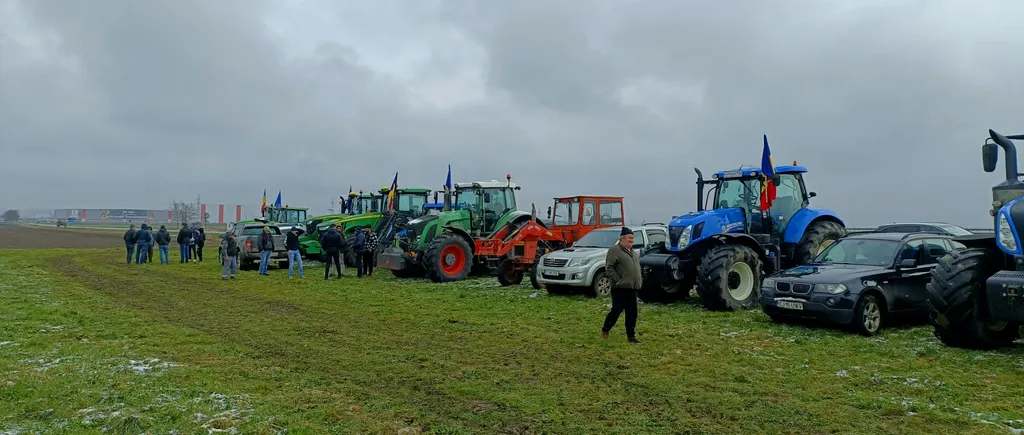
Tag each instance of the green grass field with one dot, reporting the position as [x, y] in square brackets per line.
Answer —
[89, 344]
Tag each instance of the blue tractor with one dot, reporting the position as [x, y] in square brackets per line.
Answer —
[726, 250]
[976, 295]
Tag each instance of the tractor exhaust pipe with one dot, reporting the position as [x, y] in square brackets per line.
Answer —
[700, 189]
[990, 156]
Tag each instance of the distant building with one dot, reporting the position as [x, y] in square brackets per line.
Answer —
[140, 215]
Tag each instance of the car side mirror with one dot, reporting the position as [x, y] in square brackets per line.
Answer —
[812, 194]
[908, 263]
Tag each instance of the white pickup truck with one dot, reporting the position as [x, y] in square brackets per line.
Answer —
[581, 267]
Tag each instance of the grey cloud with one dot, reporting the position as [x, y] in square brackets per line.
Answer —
[886, 102]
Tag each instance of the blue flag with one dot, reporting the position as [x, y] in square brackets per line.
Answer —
[277, 202]
[448, 182]
[767, 172]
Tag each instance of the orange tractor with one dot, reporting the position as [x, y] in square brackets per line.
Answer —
[572, 218]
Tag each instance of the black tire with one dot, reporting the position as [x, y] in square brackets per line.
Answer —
[721, 275]
[869, 315]
[817, 236]
[559, 289]
[600, 286]
[508, 274]
[409, 272]
[282, 264]
[533, 278]
[955, 298]
[437, 268]
[662, 292]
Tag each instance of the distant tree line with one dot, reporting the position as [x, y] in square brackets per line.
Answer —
[11, 216]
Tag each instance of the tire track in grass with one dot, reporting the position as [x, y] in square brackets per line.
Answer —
[304, 338]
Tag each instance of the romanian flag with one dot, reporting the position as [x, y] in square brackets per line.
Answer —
[263, 206]
[767, 172]
[448, 182]
[391, 193]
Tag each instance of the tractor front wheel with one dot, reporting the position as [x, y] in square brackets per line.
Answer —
[955, 305]
[508, 274]
[729, 278]
[448, 258]
[818, 236]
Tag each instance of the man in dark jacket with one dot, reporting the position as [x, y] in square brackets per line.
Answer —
[184, 234]
[200, 242]
[129, 242]
[149, 246]
[366, 246]
[332, 243]
[266, 245]
[228, 255]
[142, 240]
[622, 266]
[291, 243]
[163, 241]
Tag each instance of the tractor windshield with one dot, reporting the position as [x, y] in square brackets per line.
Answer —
[365, 205]
[864, 252]
[411, 203]
[291, 216]
[567, 213]
[739, 192]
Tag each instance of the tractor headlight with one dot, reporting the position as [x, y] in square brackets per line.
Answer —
[579, 262]
[684, 237]
[832, 289]
[1006, 233]
[768, 283]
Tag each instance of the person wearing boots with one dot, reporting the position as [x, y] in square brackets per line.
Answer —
[622, 266]
[332, 243]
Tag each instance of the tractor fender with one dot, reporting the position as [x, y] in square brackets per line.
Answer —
[732, 239]
[461, 233]
[803, 218]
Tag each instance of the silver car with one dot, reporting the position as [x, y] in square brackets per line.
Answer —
[581, 267]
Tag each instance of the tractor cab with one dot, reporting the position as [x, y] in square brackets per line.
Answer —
[408, 202]
[488, 204]
[576, 216]
[433, 208]
[367, 203]
[741, 189]
[286, 214]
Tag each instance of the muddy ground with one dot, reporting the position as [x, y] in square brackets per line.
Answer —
[23, 237]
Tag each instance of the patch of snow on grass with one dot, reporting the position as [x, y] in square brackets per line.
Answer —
[149, 365]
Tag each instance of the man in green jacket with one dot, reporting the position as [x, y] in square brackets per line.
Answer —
[622, 266]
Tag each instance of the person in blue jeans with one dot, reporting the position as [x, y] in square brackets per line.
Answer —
[142, 240]
[129, 242]
[266, 249]
[163, 241]
[291, 243]
[184, 234]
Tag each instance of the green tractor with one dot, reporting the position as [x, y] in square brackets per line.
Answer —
[443, 245]
[373, 210]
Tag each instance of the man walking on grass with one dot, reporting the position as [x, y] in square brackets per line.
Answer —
[228, 256]
[291, 243]
[129, 242]
[332, 243]
[142, 238]
[622, 266]
[184, 234]
[163, 240]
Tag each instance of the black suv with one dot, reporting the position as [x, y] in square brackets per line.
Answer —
[863, 281]
[924, 227]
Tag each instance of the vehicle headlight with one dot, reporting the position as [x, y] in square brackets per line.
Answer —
[1006, 233]
[768, 283]
[684, 237]
[579, 262]
[832, 289]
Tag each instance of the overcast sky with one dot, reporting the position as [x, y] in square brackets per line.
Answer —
[138, 103]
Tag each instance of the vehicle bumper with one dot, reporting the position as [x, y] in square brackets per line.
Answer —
[255, 256]
[1005, 295]
[814, 306]
[568, 276]
[394, 259]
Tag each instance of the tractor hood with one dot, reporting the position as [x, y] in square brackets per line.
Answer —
[421, 221]
[695, 226]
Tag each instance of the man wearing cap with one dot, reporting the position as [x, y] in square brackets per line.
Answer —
[129, 242]
[622, 266]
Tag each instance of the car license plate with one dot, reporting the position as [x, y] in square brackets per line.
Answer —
[790, 305]
[548, 273]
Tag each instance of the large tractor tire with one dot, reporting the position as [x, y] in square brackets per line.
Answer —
[954, 304]
[729, 278]
[409, 272]
[818, 236]
[666, 292]
[508, 274]
[448, 258]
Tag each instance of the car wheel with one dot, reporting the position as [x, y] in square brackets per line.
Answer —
[869, 316]
[601, 286]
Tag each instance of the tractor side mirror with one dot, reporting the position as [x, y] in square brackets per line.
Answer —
[776, 180]
[812, 194]
[989, 157]
[908, 263]
[549, 212]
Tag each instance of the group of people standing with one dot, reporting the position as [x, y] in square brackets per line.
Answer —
[334, 244]
[140, 243]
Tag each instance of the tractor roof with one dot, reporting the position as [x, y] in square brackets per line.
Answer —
[493, 184]
[413, 190]
[597, 197]
[755, 172]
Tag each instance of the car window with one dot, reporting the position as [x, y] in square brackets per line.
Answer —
[638, 239]
[867, 252]
[936, 249]
[912, 251]
[656, 236]
[954, 245]
[255, 231]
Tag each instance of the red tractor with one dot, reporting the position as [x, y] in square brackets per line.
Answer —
[572, 218]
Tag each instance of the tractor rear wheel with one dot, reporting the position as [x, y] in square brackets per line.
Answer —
[666, 292]
[508, 274]
[448, 258]
[818, 236]
[409, 272]
[729, 278]
[954, 304]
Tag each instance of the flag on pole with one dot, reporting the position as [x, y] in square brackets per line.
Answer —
[448, 182]
[391, 193]
[263, 205]
[277, 202]
[767, 172]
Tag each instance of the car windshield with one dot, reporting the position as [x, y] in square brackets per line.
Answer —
[866, 252]
[600, 239]
[954, 230]
[255, 231]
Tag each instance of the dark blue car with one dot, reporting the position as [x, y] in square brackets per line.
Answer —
[862, 281]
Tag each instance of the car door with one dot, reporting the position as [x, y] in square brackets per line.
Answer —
[916, 291]
[908, 283]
